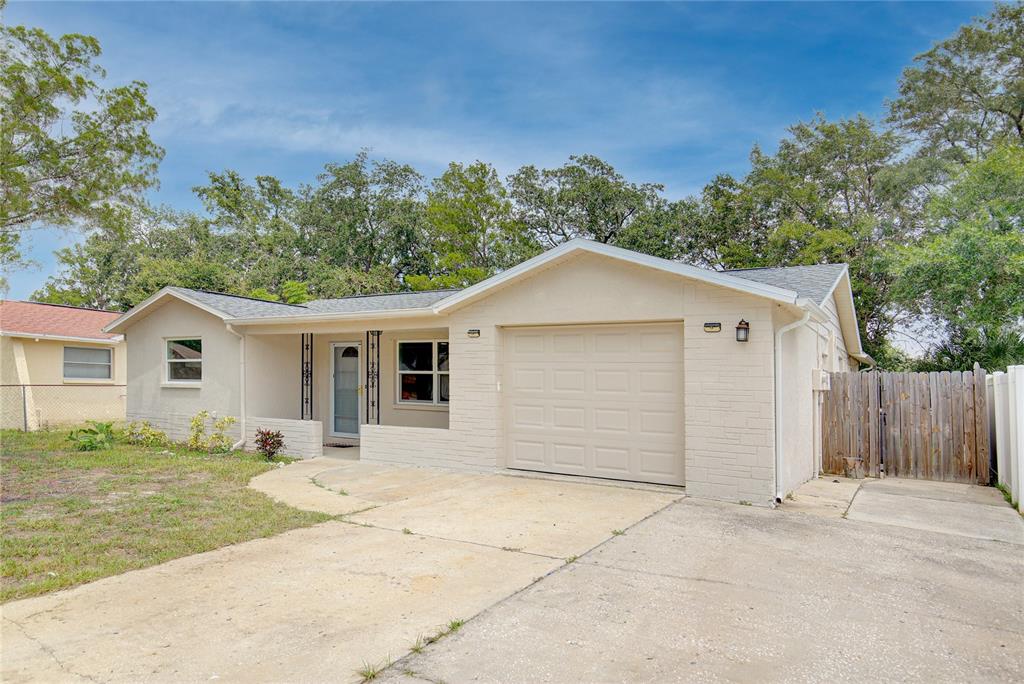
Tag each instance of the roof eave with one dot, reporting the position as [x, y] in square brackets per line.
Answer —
[327, 317]
[111, 341]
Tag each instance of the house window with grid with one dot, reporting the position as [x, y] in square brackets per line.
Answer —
[423, 372]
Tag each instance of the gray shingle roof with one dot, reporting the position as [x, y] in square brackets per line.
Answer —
[239, 307]
[233, 306]
[381, 302]
[813, 282]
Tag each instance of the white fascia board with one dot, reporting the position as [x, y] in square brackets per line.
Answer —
[117, 323]
[327, 316]
[817, 313]
[844, 276]
[107, 341]
[581, 245]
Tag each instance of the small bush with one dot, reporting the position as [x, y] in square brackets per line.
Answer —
[219, 441]
[269, 442]
[216, 442]
[93, 438]
[144, 434]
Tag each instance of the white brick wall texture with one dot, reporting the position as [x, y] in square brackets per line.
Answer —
[302, 438]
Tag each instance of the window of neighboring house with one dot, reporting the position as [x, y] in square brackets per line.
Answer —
[88, 363]
[423, 372]
[185, 360]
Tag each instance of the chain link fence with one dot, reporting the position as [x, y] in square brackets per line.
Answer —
[39, 407]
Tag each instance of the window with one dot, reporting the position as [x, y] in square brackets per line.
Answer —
[423, 372]
[184, 360]
[88, 363]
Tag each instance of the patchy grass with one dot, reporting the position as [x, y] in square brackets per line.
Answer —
[69, 517]
[369, 672]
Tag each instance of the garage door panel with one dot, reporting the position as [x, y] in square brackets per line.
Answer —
[568, 455]
[568, 417]
[526, 453]
[604, 401]
[611, 460]
[569, 380]
[654, 462]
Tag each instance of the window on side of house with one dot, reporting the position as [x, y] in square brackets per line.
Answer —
[185, 360]
[88, 363]
[423, 372]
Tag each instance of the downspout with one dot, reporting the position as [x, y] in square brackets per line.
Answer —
[778, 398]
[241, 385]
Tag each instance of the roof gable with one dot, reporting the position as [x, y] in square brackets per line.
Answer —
[576, 246]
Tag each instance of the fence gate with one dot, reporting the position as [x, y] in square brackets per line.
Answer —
[930, 426]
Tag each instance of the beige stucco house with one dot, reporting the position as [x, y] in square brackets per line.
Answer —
[58, 366]
[586, 360]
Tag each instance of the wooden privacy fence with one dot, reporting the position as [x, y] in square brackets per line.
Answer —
[930, 426]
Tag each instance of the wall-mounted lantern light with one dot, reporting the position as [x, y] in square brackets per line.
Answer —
[473, 332]
[742, 331]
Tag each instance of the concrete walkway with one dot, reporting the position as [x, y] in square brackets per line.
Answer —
[412, 550]
[945, 507]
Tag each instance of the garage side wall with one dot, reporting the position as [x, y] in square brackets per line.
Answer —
[728, 384]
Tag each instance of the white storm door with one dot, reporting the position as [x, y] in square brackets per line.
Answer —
[345, 389]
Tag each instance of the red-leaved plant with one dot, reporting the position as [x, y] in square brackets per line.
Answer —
[269, 442]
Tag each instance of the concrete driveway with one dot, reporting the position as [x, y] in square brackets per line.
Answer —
[416, 549]
[711, 592]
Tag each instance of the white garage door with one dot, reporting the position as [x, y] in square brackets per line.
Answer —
[603, 400]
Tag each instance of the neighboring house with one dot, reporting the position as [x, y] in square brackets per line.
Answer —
[585, 360]
[58, 366]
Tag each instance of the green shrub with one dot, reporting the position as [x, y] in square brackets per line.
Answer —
[93, 438]
[218, 442]
[144, 434]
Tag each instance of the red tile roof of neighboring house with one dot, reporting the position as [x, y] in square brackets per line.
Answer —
[32, 318]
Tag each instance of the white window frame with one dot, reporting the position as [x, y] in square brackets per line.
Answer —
[109, 364]
[167, 363]
[436, 393]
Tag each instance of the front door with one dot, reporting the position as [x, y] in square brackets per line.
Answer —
[345, 389]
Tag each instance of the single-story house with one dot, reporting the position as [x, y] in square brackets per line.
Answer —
[58, 366]
[585, 360]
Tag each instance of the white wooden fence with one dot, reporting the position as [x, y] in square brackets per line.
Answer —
[1006, 413]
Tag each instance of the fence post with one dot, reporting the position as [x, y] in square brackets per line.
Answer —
[24, 408]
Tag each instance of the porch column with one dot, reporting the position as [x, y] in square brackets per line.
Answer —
[306, 399]
[373, 377]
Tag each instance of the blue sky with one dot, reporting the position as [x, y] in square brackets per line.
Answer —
[668, 93]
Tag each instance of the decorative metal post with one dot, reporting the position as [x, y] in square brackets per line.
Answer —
[306, 399]
[373, 377]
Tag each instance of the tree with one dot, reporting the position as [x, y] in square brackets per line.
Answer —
[471, 228]
[252, 228]
[993, 349]
[70, 150]
[588, 198]
[966, 94]
[363, 214]
[967, 272]
[833, 192]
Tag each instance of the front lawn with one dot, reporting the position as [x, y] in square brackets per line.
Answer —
[68, 517]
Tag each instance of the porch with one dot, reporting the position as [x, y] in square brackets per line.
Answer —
[329, 389]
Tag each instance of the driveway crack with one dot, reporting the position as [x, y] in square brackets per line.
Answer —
[49, 651]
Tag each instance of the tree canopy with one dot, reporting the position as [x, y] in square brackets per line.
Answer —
[71, 151]
[927, 207]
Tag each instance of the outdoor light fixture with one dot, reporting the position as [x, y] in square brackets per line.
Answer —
[742, 331]
[473, 332]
